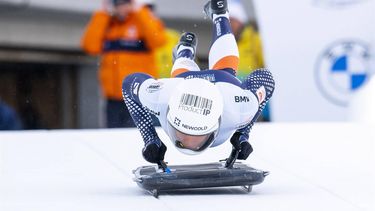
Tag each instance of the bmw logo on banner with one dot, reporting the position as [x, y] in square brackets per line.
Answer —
[343, 68]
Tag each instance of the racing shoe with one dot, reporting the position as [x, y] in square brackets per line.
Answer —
[187, 39]
[215, 7]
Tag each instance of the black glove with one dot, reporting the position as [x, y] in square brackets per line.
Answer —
[241, 144]
[153, 152]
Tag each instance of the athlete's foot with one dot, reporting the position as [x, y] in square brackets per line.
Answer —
[216, 7]
[188, 40]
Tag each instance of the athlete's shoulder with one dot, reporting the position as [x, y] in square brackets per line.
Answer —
[154, 89]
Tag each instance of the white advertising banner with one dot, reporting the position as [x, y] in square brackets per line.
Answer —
[320, 54]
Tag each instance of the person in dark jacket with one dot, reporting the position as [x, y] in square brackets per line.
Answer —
[8, 118]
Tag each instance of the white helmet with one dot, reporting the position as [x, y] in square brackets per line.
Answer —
[194, 114]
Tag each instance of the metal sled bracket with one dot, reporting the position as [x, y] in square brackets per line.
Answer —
[163, 165]
[232, 159]
[154, 193]
[248, 188]
[137, 180]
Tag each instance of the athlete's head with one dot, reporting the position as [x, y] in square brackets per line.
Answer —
[194, 113]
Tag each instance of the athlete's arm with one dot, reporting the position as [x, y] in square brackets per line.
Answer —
[262, 85]
[154, 149]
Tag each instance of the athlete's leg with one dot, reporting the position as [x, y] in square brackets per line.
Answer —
[184, 54]
[224, 51]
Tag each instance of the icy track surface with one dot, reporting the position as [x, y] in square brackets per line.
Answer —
[313, 167]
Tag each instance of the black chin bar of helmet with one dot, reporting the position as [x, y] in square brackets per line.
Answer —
[232, 158]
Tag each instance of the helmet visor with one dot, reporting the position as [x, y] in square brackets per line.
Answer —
[196, 143]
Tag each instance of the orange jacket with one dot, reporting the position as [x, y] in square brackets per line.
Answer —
[126, 47]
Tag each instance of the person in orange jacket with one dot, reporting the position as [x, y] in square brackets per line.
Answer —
[126, 34]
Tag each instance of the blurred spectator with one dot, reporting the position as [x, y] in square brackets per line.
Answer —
[163, 54]
[126, 34]
[8, 118]
[248, 39]
[249, 44]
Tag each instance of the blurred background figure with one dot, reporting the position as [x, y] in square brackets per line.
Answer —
[248, 39]
[164, 53]
[125, 33]
[249, 44]
[52, 84]
[9, 119]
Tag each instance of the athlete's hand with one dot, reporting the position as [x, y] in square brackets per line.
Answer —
[154, 152]
[242, 145]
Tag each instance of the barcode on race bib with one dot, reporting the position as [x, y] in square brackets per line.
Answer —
[196, 101]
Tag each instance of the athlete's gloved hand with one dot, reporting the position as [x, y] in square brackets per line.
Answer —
[154, 152]
[241, 144]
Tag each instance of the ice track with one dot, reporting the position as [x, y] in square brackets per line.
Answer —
[327, 166]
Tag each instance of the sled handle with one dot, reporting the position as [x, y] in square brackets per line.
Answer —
[163, 165]
[232, 158]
